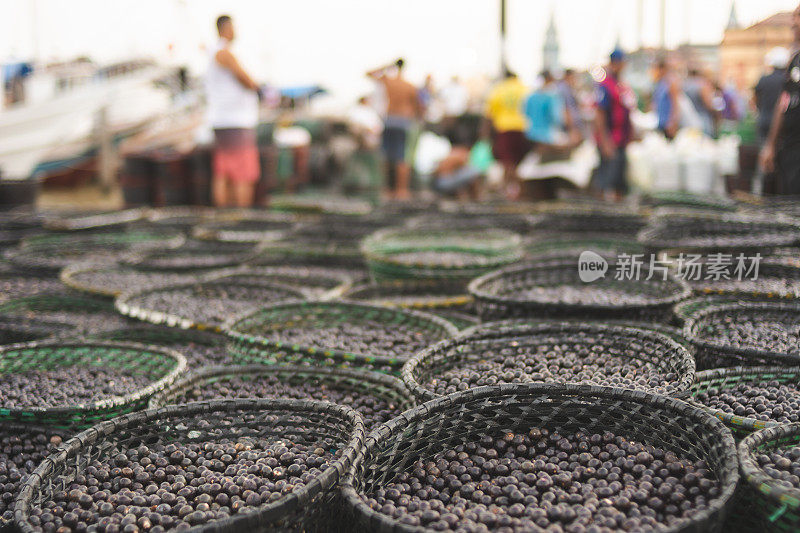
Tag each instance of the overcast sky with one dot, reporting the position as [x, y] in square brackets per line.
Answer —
[332, 42]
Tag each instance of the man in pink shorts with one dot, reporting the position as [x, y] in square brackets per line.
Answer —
[233, 99]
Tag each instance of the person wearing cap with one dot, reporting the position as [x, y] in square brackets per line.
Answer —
[769, 88]
[613, 128]
[781, 151]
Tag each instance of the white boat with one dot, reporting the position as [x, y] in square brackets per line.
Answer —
[60, 119]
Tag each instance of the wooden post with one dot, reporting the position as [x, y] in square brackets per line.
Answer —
[107, 156]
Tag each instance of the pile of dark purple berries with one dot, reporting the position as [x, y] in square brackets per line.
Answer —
[515, 362]
[21, 450]
[766, 400]
[17, 285]
[542, 479]
[370, 337]
[158, 487]
[66, 386]
[759, 333]
[783, 464]
[375, 410]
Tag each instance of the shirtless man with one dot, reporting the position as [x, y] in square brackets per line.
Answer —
[403, 108]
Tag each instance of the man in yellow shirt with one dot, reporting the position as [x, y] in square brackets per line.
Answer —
[504, 110]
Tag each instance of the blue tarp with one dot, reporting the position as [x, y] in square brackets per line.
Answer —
[302, 91]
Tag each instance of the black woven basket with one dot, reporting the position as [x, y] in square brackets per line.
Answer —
[776, 503]
[311, 252]
[112, 279]
[721, 379]
[719, 233]
[252, 227]
[337, 429]
[15, 329]
[84, 313]
[256, 337]
[712, 353]
[545, 246]
[688, 309]
[316, 282]
[425, 295]
[321, 204]
[194, 256]
[444, 423]
[488, 346]
[205, 304]
[472, 220]
[23, 447]
[76, 221]
[182, 218]
[775, 280]
[560, 217]
[17, 284]
[555, 290]
[298, 382]
[161, 366]
[201, 348]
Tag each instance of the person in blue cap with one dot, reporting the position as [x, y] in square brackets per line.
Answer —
[613, 129]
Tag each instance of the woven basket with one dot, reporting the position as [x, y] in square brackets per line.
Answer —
[194, 256]
[472, 220]
[161, 365]
[561, 217]
[728, 378]
[390, 254]
[182, 218]
[112, 279]
[310, 253]
[201, 348]
[85, 314]
[777, 505]
[497, 294]
[234, 296]
[26, 433]
[497, 341]
[719, 233]
[16, 284]
[252, 227]
[14, 330]
[468, 416]
[715, 354]
[425, 295]
[775, 280]
[333, 427]
[321, 204]
[364, 383]
[251, 342]
[86, 221]
[688, 200]
[317, 282]
[547, 246]
[687, 309]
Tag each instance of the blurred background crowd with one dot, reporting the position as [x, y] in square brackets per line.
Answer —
[694, 117]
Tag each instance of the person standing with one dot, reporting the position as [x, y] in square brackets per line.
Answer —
[700, 92]
[233, 99]
[782, 149]
[666, 99]
[613, 128]
[567, 89]
[544, 110]
[768, 90]
[403, 108]
[504, 110]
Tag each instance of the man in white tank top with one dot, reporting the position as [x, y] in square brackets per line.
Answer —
[232, 98]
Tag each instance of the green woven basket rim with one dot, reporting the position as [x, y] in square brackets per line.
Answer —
[230, 329]
[694, 322]
[222, 371]
[141, 394]
[121, 302]
[758, 373]
[344, 281]
[398, 427]
[500, 329]
[475, 288]
[251, 521]
[158, 335]
[144, 238]
[361, 293]
[763, 484]
[35, 301]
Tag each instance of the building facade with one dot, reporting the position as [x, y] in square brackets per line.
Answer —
[743, 50]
